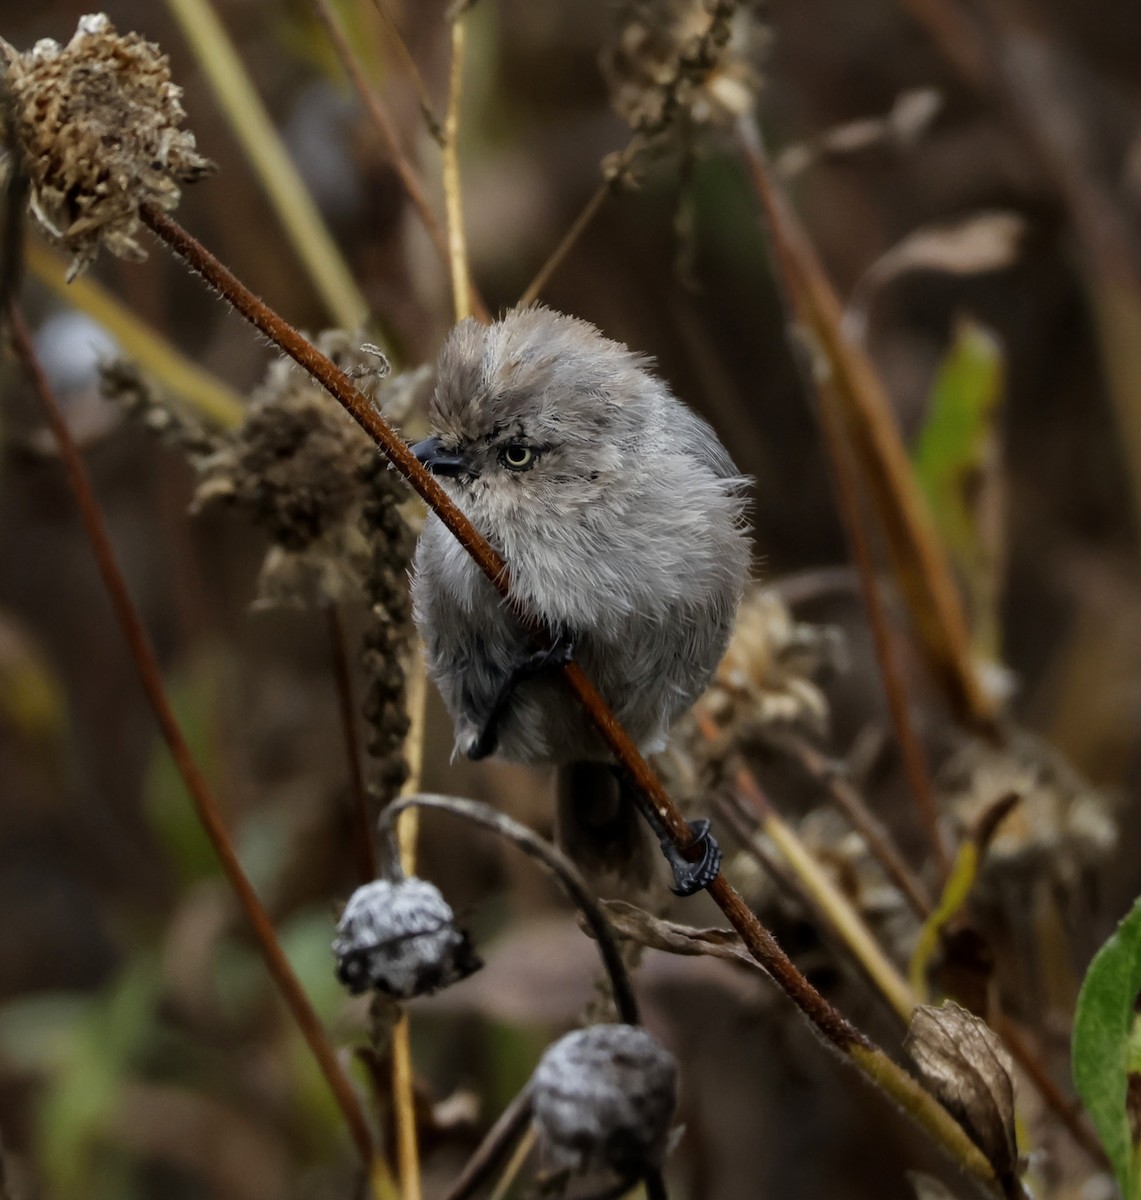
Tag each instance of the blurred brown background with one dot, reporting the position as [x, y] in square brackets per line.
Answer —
[141, 1053]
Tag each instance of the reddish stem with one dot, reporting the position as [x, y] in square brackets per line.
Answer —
[205, 804]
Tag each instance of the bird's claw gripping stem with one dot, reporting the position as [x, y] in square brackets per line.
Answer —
[691, 877]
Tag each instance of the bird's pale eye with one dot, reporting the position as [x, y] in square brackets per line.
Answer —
[516, 456]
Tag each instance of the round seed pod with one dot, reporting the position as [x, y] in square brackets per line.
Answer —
[400, 938]
[604, 1098]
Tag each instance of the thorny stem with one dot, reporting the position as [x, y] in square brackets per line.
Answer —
[362, 818]
[204, 802]
[555, 861]
[819, 379]
[871, 1061]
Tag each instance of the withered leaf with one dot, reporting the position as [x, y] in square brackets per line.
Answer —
[636, 925]
[963, 1063]
[983, 242]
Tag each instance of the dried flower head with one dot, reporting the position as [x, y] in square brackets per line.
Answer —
[1062, 825]
[400, 938]
[767, 675]
[305, 472]
[965, 1065]
[96, 125]
[669, 57]
[604, 1098]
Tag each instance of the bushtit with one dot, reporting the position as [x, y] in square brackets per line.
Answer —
[621, 519]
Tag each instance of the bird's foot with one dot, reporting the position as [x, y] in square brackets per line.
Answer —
[691, 877]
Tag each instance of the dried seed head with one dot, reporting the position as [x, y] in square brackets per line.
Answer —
[767, 676]
[400, 938]
[669, 57]
[1061, 828]
[306, 472]
[604, 1098]
[97, 126]
[969, 1070]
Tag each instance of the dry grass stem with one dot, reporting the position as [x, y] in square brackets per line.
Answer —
[205, 805]
[457, 242]
[426, 106]
[383, 124]
[797, 266]
[849, 801]
[207, 395]
[243, 108]
[864, 418]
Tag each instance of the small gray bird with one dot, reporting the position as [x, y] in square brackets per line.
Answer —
[621, 518]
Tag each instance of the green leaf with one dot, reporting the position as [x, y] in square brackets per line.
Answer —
[956, 466]
[1106, 1050]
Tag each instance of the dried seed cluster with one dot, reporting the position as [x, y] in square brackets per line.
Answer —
[308, 475]
[768, 675]
[97, 127]
[400, 938]
[674, 57]
[604, 1099]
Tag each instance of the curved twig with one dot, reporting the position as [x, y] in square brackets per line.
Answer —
[564, 870]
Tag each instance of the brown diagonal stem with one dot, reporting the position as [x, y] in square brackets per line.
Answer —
[872, 1062]
[206, 806]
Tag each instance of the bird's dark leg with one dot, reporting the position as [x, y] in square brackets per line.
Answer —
[557, 654]
[689, 876]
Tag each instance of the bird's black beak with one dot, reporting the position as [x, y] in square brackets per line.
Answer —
[433, 456]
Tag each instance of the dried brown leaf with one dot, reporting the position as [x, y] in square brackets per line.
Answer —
[636, 925]
[986, 241]
[965, 1065]
[910, 116]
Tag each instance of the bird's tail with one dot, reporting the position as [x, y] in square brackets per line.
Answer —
[599, 828]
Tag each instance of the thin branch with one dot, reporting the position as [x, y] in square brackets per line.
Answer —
[555, 861]
[861, 412]
[496, 1143]
[852, 804]
[244, 110]
[457, 244]
[820, 893]
[426, 108]
[205, 805]
[362, 819]
[542, 277]
[383, 124]
[821, 378]
[648, 791]
[849, 801]
[580, 224]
